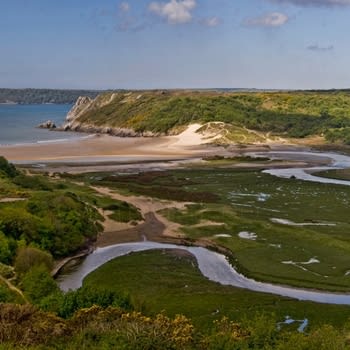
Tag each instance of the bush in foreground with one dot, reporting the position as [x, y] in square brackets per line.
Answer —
[114, 328]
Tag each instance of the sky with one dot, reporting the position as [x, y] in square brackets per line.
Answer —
[150, 44]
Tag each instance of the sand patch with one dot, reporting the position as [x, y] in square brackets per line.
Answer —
[110, 225]
[191, 137]
[9, 200]
[145, 204]
[150, 205]
[204, 223]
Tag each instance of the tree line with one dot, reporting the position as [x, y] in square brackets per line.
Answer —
[42, 96]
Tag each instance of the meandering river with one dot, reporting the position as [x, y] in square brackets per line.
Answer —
[212, 265]
[215, 266]
[336, 161]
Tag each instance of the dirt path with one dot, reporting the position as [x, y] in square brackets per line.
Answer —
[10, 200]
[155, 227]
[14, 288]
[145, 204]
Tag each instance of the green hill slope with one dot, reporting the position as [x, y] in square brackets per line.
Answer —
[290, 114]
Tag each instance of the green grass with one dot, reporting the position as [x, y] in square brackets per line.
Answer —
[162, 280]
[247, 201]
[124, 212]
[339, 174]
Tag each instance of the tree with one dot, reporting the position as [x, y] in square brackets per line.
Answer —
[8, 169]
[37, 283]
[17, 222]
[5, 250]
[30, 257]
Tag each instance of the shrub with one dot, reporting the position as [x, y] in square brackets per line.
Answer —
[65, 305]
[7, 169]
[5, 249]
[38, 183]
[29, 257]
[25, 325]
[37, 283]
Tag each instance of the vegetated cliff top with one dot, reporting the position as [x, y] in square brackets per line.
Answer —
[41, 96]
[287, 113]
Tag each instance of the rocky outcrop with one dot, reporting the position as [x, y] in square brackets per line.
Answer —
[113, 131]
[79, 108]
[49, 124]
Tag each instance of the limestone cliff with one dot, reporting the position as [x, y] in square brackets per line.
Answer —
[80, 106]
[75, 120]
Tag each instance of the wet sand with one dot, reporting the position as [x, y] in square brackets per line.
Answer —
[97, 148]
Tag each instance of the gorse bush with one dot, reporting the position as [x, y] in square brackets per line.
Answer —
[25, 325]
[113, 328]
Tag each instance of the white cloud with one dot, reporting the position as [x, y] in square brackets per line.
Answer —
[210, 21]
[304, 3]
[174, 11]
[273, 19]
[124, 7]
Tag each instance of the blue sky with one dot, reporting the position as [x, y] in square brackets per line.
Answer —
[100, 44]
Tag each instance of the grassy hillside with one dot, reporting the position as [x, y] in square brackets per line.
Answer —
[41, 219]
[291, 114]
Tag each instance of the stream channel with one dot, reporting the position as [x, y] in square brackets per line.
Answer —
[213, 265]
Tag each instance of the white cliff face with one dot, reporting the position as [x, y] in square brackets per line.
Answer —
[82, 104]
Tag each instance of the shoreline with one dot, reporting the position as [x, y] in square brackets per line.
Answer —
[100, 147]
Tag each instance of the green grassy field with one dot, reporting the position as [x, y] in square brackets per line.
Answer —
[165, 281]
[230, 201]
[339, 174]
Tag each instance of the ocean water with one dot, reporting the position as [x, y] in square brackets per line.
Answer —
[18, 123]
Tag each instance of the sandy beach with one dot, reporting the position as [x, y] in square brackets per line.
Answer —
[105, 148]
[101, 152]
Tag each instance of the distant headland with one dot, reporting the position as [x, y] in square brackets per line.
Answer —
[42, 96]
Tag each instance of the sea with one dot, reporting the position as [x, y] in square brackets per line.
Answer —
[18, 123]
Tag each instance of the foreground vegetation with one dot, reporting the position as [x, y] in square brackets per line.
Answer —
[113, 328]
[289, 114]
[112, 311]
